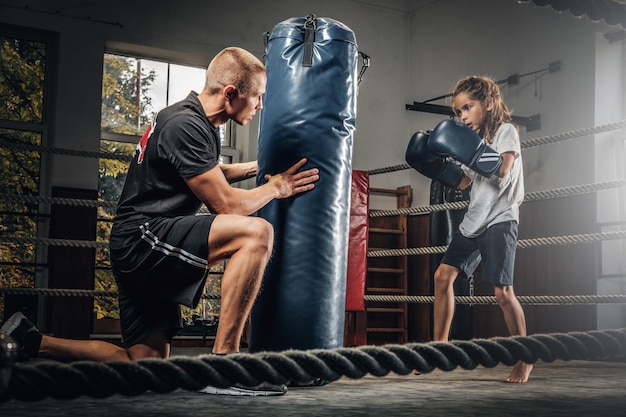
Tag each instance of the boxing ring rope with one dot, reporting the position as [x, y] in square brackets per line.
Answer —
[544, 140]
[33, 199]
[426, 250]
[21, 146]
[417, 299]
[32, 382]
[529, 143]
[532, 196]
[522, 243]
[54, 242]
[491, 300]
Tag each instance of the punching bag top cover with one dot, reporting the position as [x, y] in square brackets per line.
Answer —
[311, 92]
[313, 30]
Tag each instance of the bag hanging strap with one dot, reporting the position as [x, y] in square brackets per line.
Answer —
[309, 39]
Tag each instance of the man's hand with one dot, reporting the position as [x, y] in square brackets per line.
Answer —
[292, 182]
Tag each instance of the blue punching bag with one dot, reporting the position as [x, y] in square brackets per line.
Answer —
[309, 111]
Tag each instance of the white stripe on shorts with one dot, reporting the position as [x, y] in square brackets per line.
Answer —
[170, 250]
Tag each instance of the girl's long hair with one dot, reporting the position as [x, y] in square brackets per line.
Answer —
[482, 88]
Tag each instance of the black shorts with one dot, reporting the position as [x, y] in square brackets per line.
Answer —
[158, 265]
[496, 247]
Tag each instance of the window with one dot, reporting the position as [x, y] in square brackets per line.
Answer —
[134, 89]
[24, 68]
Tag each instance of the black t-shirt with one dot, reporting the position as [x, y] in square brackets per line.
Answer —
[181, 143]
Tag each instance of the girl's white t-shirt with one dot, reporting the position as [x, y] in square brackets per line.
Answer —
[495, 200]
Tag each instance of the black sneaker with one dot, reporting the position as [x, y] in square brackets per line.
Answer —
[26, 335]
[263, 390]
[317, 382]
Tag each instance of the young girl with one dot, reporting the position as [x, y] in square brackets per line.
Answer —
[489, 228]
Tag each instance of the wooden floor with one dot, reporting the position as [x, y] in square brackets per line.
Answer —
[560, 388]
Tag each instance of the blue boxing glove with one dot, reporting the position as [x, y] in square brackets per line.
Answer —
[456, 140]
[430, 164]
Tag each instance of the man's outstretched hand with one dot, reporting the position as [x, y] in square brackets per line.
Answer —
[293, 181]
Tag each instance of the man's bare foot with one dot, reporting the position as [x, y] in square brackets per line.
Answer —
[520, 373]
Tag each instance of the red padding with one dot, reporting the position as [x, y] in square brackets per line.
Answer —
[357, 245]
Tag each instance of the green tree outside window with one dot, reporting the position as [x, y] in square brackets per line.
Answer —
[22, 81]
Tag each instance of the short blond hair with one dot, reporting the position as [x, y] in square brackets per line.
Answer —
[234, 66]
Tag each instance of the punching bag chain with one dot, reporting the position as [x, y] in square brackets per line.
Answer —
[366, 65]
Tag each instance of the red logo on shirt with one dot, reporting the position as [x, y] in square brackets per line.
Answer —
[141, 146]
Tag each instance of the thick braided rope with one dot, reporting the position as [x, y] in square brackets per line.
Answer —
[66, 201]
[491, 300]
[531, 196]
[456, 205]
[560, 137]
[54, 242]
[376, 253]
[522, 243]
[66, 381]
[8, 144]
[418, 299]
[529, 143]
[571, 239]
[574, 190]
[385, 170]
[31, 199]
[57, 292]
[74, 292]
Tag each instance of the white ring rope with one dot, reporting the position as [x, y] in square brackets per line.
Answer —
[532, 196]
[490, 299]
[430, 250]
[560, 137]
[417, 299]
[523, 243]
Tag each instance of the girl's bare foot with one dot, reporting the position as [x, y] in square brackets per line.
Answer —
[520, 373]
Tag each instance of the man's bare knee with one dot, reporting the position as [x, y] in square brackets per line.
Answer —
[261, 235]
[154, 347]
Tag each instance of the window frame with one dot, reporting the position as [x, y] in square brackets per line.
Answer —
[130, 51]
[51, 39]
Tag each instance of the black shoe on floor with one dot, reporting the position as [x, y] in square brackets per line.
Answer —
[26, 335]
[263, 390]
[317, 382]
